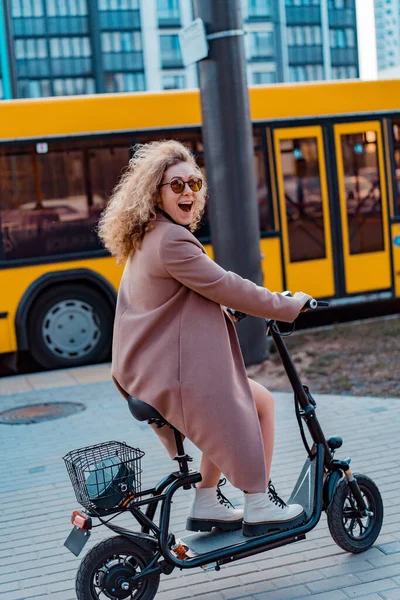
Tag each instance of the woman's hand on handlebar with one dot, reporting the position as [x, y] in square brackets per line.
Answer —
[302, 296]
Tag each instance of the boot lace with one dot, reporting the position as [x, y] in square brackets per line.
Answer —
[220, 497]
[273, 496]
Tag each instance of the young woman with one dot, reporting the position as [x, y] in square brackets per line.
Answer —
[176, 348]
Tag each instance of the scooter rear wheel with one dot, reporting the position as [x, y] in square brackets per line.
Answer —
[349, 531]
[107, 567]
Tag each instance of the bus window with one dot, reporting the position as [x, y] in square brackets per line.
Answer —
[303, 199]
[19, 183]
[51, 199]
[17, 178]
[106, 167]
[396, 146]
[363, 192]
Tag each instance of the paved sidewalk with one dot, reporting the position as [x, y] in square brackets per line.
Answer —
[36, 498]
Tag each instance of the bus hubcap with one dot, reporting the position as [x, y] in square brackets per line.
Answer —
[70, 329]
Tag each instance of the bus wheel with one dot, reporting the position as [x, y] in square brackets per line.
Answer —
[70, 325]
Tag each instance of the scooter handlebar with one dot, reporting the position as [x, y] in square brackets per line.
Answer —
[312, 304]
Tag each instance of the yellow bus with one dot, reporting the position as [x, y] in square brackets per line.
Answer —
[327, 163]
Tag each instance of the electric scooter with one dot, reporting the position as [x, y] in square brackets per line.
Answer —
[107, 482]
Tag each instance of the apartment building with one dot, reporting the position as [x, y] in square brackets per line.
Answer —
[63, 47]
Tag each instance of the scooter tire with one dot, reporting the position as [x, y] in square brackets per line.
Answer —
[341, 530]
[106, 554]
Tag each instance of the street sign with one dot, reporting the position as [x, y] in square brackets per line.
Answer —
[193, 41]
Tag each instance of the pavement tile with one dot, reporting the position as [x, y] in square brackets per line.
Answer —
[334, 583]
[382, 573]
[239, 592]
[358, 591]
[391, 594]
[284, 594]
[334, 595]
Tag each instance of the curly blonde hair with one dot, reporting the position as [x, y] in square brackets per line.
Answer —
[132, 206]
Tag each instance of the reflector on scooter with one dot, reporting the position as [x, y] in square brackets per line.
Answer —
[80, 520]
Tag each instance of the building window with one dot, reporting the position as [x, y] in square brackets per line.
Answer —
[121, 41]
[342, 38]
[259, 8]
[340, 4]
[69, 86]
[349, 72]
[304, 36]
[22, 8]
[119, 15]
[122, 51]
[124, 82]
[261, 45]
[170, 51]
[264, 77]
[63, 8]
[168, 12]
[306, 73]
[30, 48]
[70, 56]
[34, 88]
[118, 4]
[302, 2]
[173, 82]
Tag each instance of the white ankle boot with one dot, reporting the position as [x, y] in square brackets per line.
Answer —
[264, 513]
[210, 509]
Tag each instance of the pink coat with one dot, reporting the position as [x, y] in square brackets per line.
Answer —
[176, 349]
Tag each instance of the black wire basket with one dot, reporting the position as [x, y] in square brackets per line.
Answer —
[105, 476]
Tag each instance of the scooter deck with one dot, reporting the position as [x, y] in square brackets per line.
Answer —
[303, 494]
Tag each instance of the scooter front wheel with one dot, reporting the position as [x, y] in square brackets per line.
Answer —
[348, 529]
[107, 567]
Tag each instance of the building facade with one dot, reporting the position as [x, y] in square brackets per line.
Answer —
[387, 22]
[63, 47]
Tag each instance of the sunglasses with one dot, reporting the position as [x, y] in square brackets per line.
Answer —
[178, 185]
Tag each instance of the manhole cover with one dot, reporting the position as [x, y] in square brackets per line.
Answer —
[36, 413]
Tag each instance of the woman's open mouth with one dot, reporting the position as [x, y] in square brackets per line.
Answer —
[186, 206]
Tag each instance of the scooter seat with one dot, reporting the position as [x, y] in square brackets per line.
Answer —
[144, 412]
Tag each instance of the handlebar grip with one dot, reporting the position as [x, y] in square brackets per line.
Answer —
[312, 303]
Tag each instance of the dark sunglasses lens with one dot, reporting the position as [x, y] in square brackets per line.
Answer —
[177, 186]
[195, 184]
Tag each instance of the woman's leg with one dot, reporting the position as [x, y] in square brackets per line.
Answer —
[209, 472]
[265, 408]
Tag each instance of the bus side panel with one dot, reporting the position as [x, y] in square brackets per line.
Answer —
[16, 281]
[6, 344]
[272, 264]
[396, 256]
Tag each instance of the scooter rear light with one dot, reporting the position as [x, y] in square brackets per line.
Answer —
[81, 521]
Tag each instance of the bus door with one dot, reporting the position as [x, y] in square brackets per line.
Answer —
[304, 210]
[363, 206]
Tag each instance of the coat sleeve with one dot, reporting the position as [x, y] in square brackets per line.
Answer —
[183, 258]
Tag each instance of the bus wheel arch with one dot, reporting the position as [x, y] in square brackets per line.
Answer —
[65, 319]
